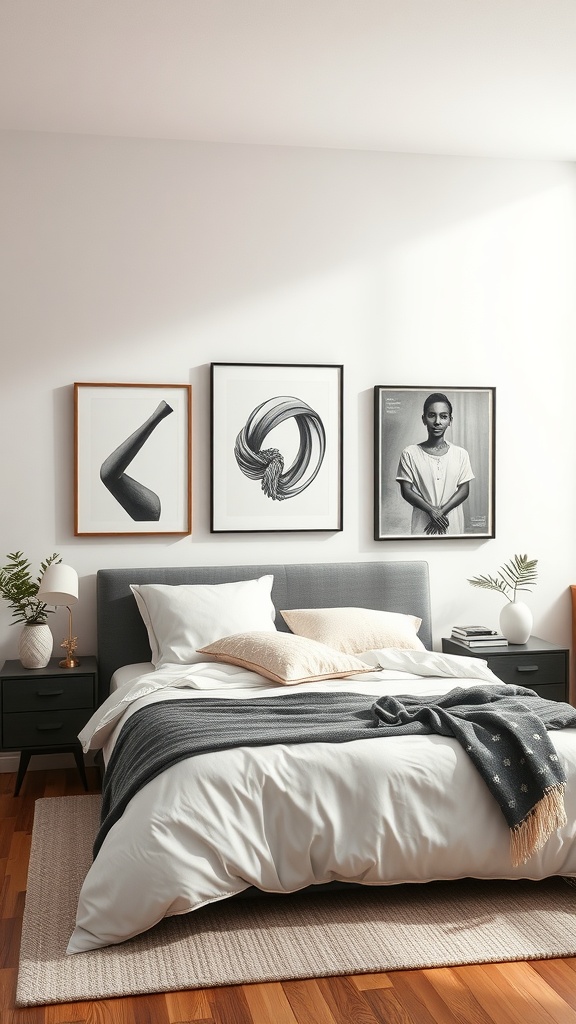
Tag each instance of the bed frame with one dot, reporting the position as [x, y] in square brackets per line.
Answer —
[387, 586]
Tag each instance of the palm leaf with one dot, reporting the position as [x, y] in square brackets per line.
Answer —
[488, 583]
[519, 573]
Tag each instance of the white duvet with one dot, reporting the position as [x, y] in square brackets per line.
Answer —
[282, 817]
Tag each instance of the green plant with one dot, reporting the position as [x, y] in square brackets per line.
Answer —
[19, 588]
[518, 574]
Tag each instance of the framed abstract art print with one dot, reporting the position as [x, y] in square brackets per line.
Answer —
[276, 447]
[132, 459]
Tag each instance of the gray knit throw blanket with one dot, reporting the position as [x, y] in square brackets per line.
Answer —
[502, 728]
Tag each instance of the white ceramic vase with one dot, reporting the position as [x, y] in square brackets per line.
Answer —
[516, 622]
[35, 645]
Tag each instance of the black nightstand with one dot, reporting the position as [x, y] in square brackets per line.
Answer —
[537, 664]
[42, 710]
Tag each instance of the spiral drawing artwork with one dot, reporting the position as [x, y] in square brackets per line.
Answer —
[267, 464]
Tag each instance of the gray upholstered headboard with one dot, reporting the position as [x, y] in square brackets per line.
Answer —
[388, 586]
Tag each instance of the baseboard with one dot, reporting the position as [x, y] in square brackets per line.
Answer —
[40, 762]
[9, 762]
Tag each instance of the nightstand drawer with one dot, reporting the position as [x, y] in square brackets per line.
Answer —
[48, 694]
[39, 730]
[529, 669]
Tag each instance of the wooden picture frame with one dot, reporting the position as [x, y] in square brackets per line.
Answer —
[276, 447]
[428, 486]
[132, 459]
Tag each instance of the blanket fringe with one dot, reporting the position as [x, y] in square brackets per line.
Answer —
[546, 817]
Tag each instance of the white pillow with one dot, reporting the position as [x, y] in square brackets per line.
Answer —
[284, 657]
[356, 629]
[180, 619]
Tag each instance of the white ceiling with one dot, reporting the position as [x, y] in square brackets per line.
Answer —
[468, 77]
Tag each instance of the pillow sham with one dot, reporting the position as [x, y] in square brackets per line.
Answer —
[356, 629]
[284, 657]
[182, 618]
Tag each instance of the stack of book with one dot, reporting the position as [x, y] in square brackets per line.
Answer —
[478, 636]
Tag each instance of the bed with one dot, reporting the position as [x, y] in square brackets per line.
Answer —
[283, 789]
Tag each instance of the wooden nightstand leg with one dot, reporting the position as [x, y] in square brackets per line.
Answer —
[79, 758]
[22, 766]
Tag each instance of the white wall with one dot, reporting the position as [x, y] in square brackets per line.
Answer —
[143, 261]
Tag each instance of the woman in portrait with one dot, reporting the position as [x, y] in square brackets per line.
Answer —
[434, 475]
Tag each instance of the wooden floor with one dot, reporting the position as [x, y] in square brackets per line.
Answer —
[541, 992]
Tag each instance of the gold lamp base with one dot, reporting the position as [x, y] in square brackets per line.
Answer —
[69, 662]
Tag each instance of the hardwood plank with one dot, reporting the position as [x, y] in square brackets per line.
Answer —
[8, 976]
[32, 790]
[268, 1002]
[229, 1006]
[558, 976]
[8, 826]
[3, 880]
[17, 865]
[7, 780]
[452, 988]
[110, 1011]
[500, 998]
[415, 991]
[10, 929]
[196, 1020]
[346, 1003]
[388, 1009]
[26, 1015]
[66, 1013]
[188, 1006]
[364, 981]
[8, 1012]
[55, 784]
[570, 962]
[148, 1009]
[527, 981]
[307, 1002]
[12, 899]
[3, 885]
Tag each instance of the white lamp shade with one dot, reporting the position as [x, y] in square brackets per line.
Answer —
[59, 585]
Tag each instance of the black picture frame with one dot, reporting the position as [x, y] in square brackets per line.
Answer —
[399, 428]
[276, 447]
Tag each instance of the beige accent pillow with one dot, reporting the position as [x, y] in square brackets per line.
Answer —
[356, 629]
[284, 657]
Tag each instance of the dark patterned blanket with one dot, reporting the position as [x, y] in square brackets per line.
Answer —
[502, 728]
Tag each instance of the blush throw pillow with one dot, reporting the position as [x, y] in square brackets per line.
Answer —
[356, 629]
[180, 619]
[284, 657]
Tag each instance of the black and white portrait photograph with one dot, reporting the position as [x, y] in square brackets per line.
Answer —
[132, 459]
[276, 447]
[434, 452]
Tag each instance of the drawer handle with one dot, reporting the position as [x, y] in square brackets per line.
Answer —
[49, 693]
[50, 728]
[527, 668]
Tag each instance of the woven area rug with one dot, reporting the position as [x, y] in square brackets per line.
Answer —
[242, 941]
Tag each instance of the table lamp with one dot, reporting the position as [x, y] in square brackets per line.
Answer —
[59, 586]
